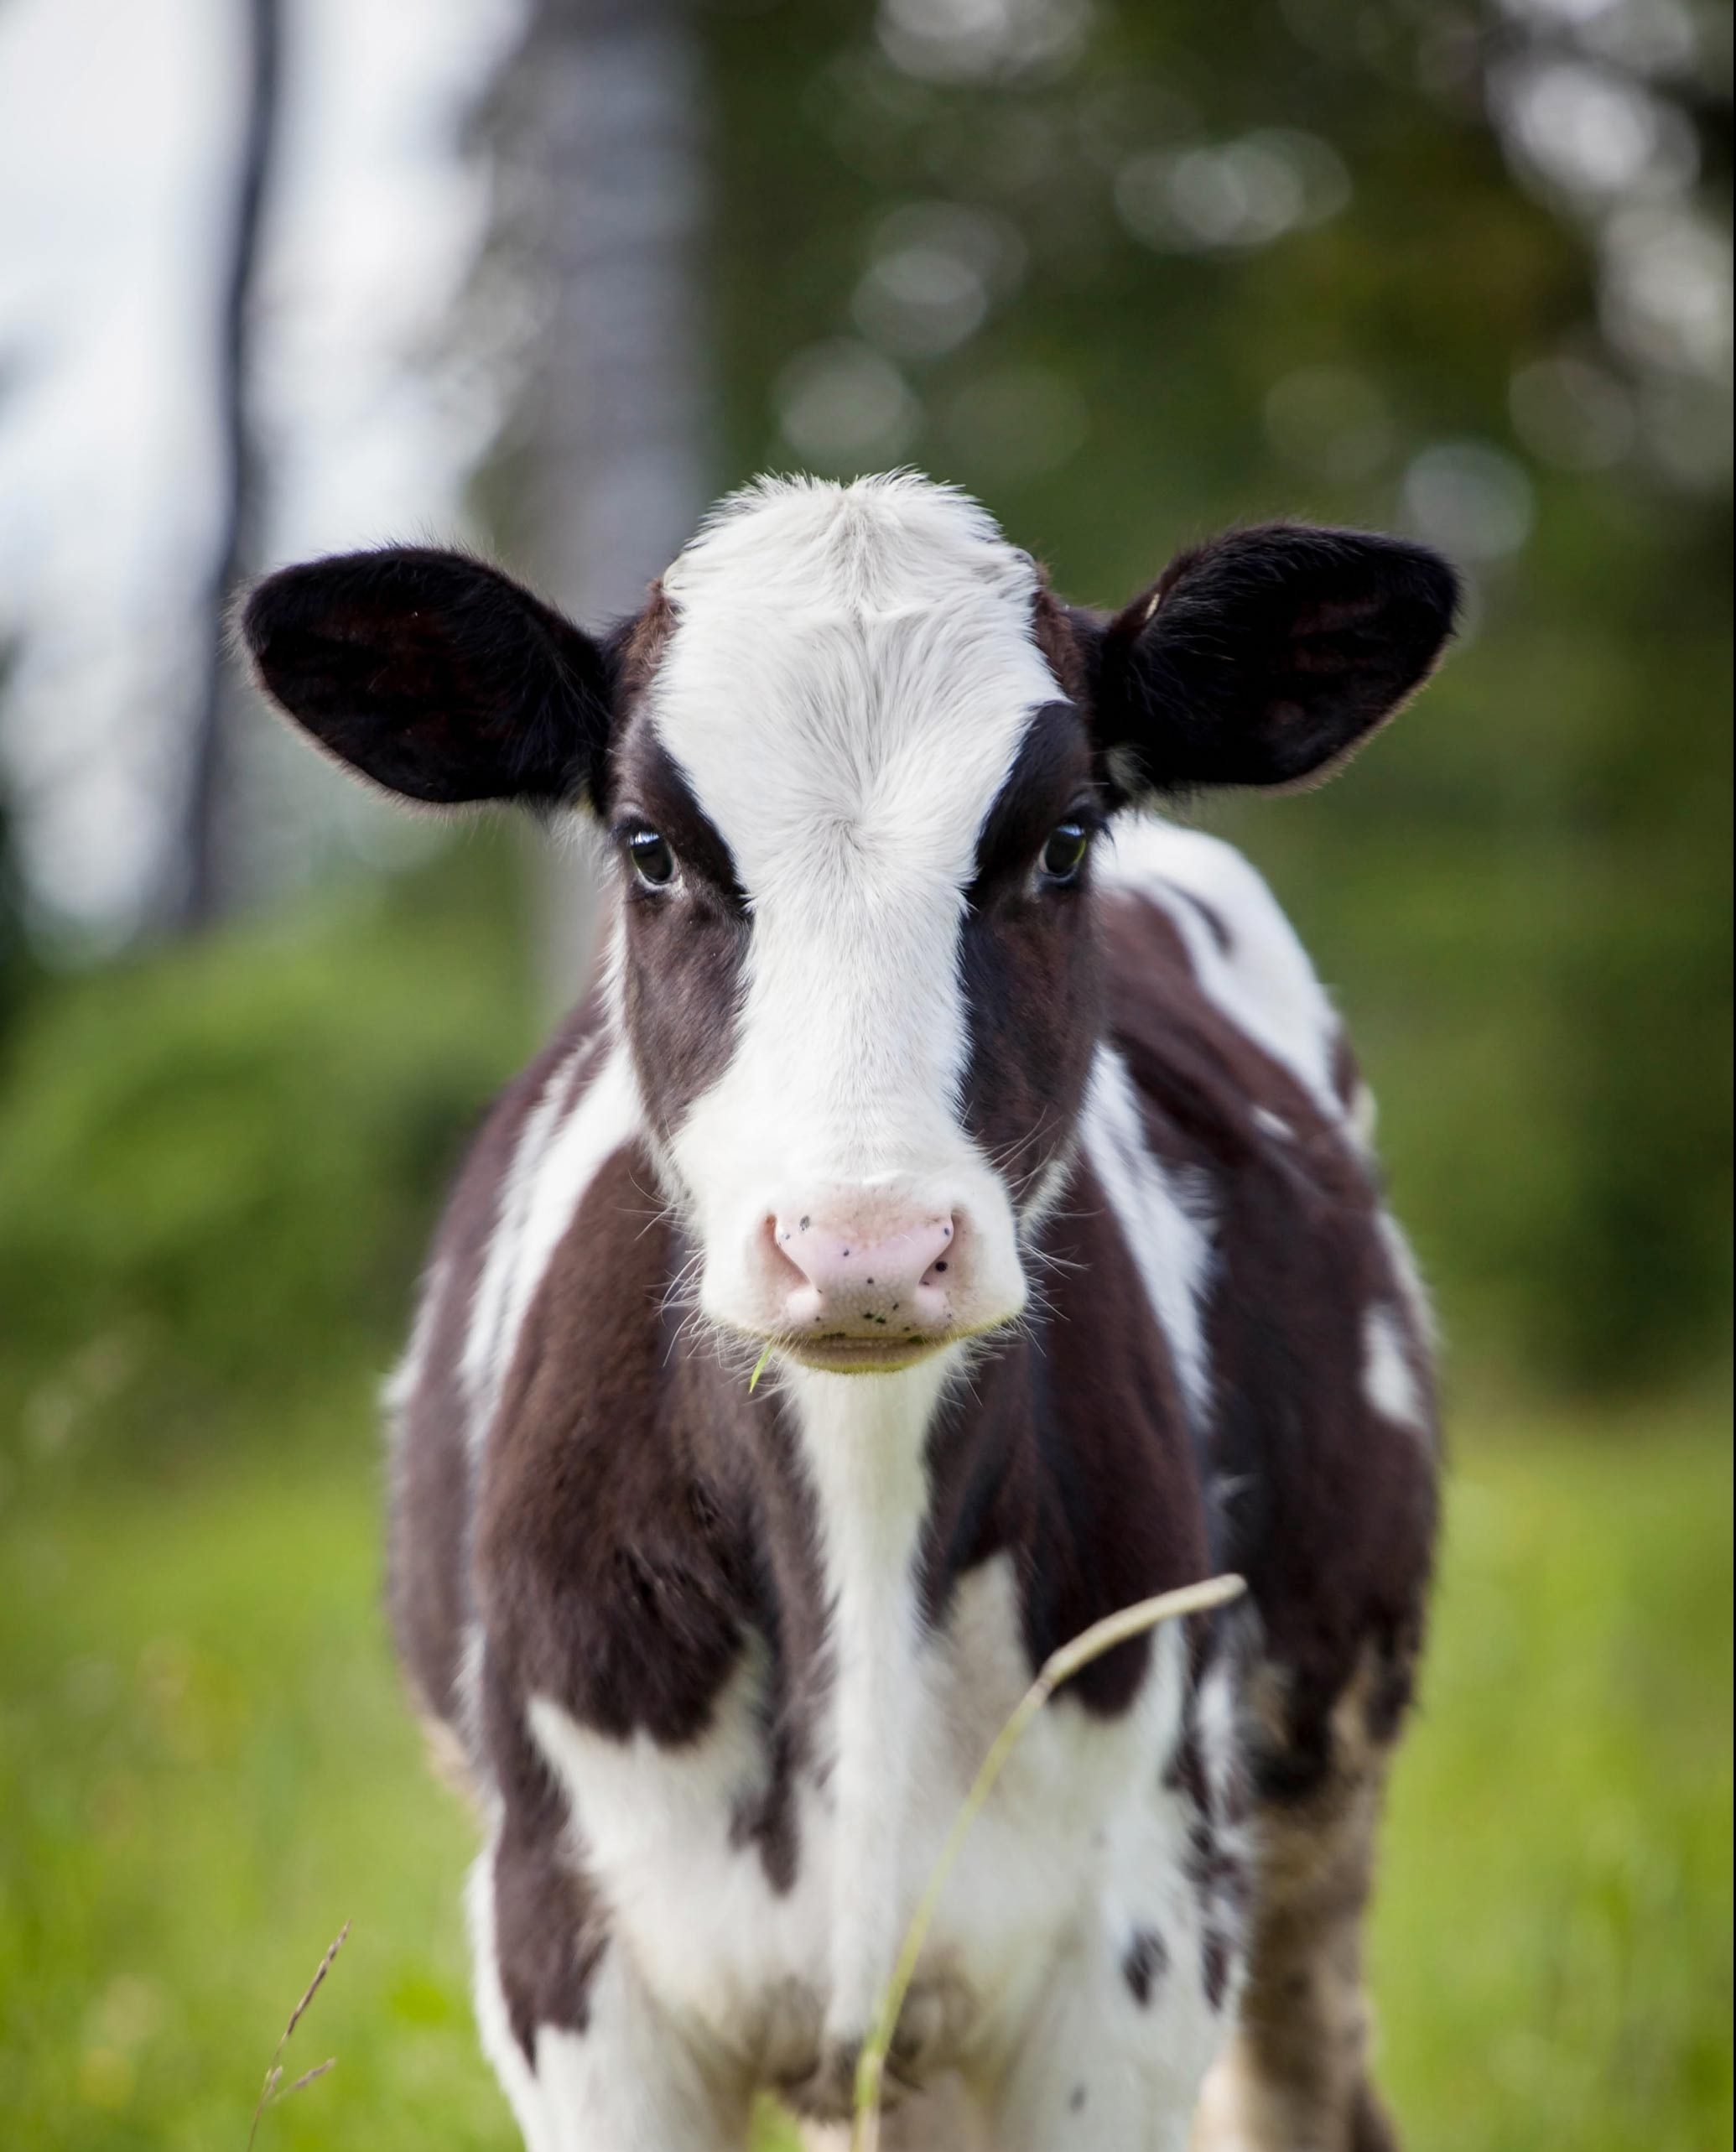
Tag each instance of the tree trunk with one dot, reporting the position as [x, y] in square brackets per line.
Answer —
[604, 125]
[199, 879]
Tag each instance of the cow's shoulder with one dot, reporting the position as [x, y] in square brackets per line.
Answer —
[1196, 927]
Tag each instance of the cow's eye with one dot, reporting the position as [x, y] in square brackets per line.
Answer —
[653, 862]
[1064, 853]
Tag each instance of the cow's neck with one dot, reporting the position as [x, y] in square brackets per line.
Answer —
[863, 1438]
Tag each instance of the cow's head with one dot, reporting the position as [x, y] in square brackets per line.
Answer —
[853, 760]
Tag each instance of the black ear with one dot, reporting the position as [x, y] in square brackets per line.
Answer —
[433, 675]
[1267, 656]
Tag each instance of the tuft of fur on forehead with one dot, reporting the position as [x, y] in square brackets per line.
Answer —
[884, 544]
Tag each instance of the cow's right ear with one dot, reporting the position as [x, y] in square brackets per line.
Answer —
[436, 676]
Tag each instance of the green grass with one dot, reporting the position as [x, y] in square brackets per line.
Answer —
[205, 1769]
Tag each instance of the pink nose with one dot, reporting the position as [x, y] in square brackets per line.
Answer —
[896, 1281]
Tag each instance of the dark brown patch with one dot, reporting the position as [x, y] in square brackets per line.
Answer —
[686, 946]
[1214, 1966]
[1070, 1449]
[642, 648]
[1346, 1072]
[1185, 1771]
[613, 1567]
[1028, 960]
[1221, 1883]
[1052, 627]
[1144, 1965]
[550, 1934]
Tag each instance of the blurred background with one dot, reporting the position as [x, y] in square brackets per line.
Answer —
[544, 276]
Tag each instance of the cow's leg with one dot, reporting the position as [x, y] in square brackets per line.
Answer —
[586, 2060]
[1295, 2078]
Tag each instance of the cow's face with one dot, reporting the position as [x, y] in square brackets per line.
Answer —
[854, 810]
[853, 761]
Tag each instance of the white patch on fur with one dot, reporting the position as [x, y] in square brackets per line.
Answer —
[863, 1443]
[850, 678]
[1387, 1381]
[626, 2081]
[555, 1162]
[690, 1907]
[1264, 981]
[401, 1385]
[1412, 1291]
[1161, 1218]
[1364, 1118]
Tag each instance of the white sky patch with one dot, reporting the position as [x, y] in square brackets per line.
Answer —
[119, 132]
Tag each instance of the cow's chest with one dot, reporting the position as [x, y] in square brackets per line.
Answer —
[763, 1905]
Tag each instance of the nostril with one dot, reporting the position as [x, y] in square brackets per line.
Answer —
[787, 1275]
[940, 1268]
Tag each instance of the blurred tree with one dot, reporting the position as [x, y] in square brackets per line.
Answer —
[1130, 272]
[601, 474]
[202, 880]
[18, 969]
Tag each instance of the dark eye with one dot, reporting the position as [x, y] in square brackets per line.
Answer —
[1064, 853]
[653, 862]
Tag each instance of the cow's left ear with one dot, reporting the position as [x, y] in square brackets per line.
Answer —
[434, 675]
[1267, 656]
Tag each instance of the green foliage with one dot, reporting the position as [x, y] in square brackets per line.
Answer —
[219, 1162]
[206, 1767]
[1562, 1812]
[1522, 892]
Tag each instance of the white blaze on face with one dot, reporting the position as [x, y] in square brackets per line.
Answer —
[848, 682]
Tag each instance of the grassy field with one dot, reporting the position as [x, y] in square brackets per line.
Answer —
[206, 1768]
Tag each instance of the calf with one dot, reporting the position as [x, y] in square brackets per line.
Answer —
[1005, 1127]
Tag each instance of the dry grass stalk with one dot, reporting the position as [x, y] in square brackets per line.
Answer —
[1057, 1669]
[268, 2093]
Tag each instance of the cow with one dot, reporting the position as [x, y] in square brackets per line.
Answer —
[950, 1219]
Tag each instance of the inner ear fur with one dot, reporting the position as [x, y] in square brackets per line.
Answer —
[1266, 657]
[434, 675]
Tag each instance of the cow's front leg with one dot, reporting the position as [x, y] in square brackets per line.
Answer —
[587, 2059]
